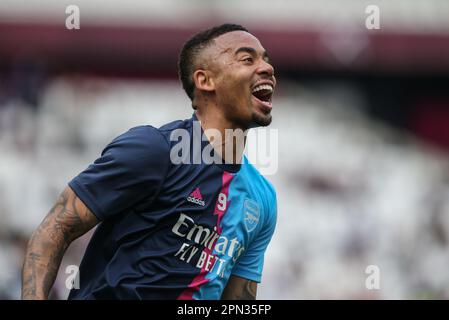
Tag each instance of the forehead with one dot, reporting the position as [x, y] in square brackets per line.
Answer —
[231, 41]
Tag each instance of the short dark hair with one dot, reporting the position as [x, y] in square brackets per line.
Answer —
[193, 47]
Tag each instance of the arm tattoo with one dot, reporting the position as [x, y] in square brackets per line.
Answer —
[67, 220]
[30, 281]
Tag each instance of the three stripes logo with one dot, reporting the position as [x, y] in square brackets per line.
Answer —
[196, 197]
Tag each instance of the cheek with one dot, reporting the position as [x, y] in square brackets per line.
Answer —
[240, 84]
[233, 86]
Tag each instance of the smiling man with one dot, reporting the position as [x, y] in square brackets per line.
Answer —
[169, 230]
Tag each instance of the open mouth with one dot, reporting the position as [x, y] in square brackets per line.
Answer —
[263, 94]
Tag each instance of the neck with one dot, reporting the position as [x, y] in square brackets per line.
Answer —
[227, 138]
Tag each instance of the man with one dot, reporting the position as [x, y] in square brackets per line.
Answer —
[171, 229]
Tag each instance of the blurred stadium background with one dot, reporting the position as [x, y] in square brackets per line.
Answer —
[363, 120]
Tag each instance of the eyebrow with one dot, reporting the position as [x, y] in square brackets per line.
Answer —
[252, 51]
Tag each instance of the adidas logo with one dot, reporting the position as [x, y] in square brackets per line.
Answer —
[196, 197]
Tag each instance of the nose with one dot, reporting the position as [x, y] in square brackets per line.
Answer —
[265, 68]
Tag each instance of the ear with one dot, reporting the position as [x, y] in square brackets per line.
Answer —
[203, 80]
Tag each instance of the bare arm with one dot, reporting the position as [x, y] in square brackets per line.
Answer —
[239, 289]
[67, 220]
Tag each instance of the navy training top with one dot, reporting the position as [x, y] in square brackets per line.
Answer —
[171, 230]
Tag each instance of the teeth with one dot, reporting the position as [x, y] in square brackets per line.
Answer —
[263, 87]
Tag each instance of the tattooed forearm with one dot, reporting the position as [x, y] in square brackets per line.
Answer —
[67, 220]
[30, 281]
[240, 289]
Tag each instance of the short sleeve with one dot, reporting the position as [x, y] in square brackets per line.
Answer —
[132, 167]
[250, 265]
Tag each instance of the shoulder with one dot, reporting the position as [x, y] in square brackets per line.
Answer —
[260, 182]
[264, 189]
[147, 136]
[168, 128]
[138, 141]
[146, 144]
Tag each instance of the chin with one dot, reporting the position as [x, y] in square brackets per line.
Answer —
[261, 120]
